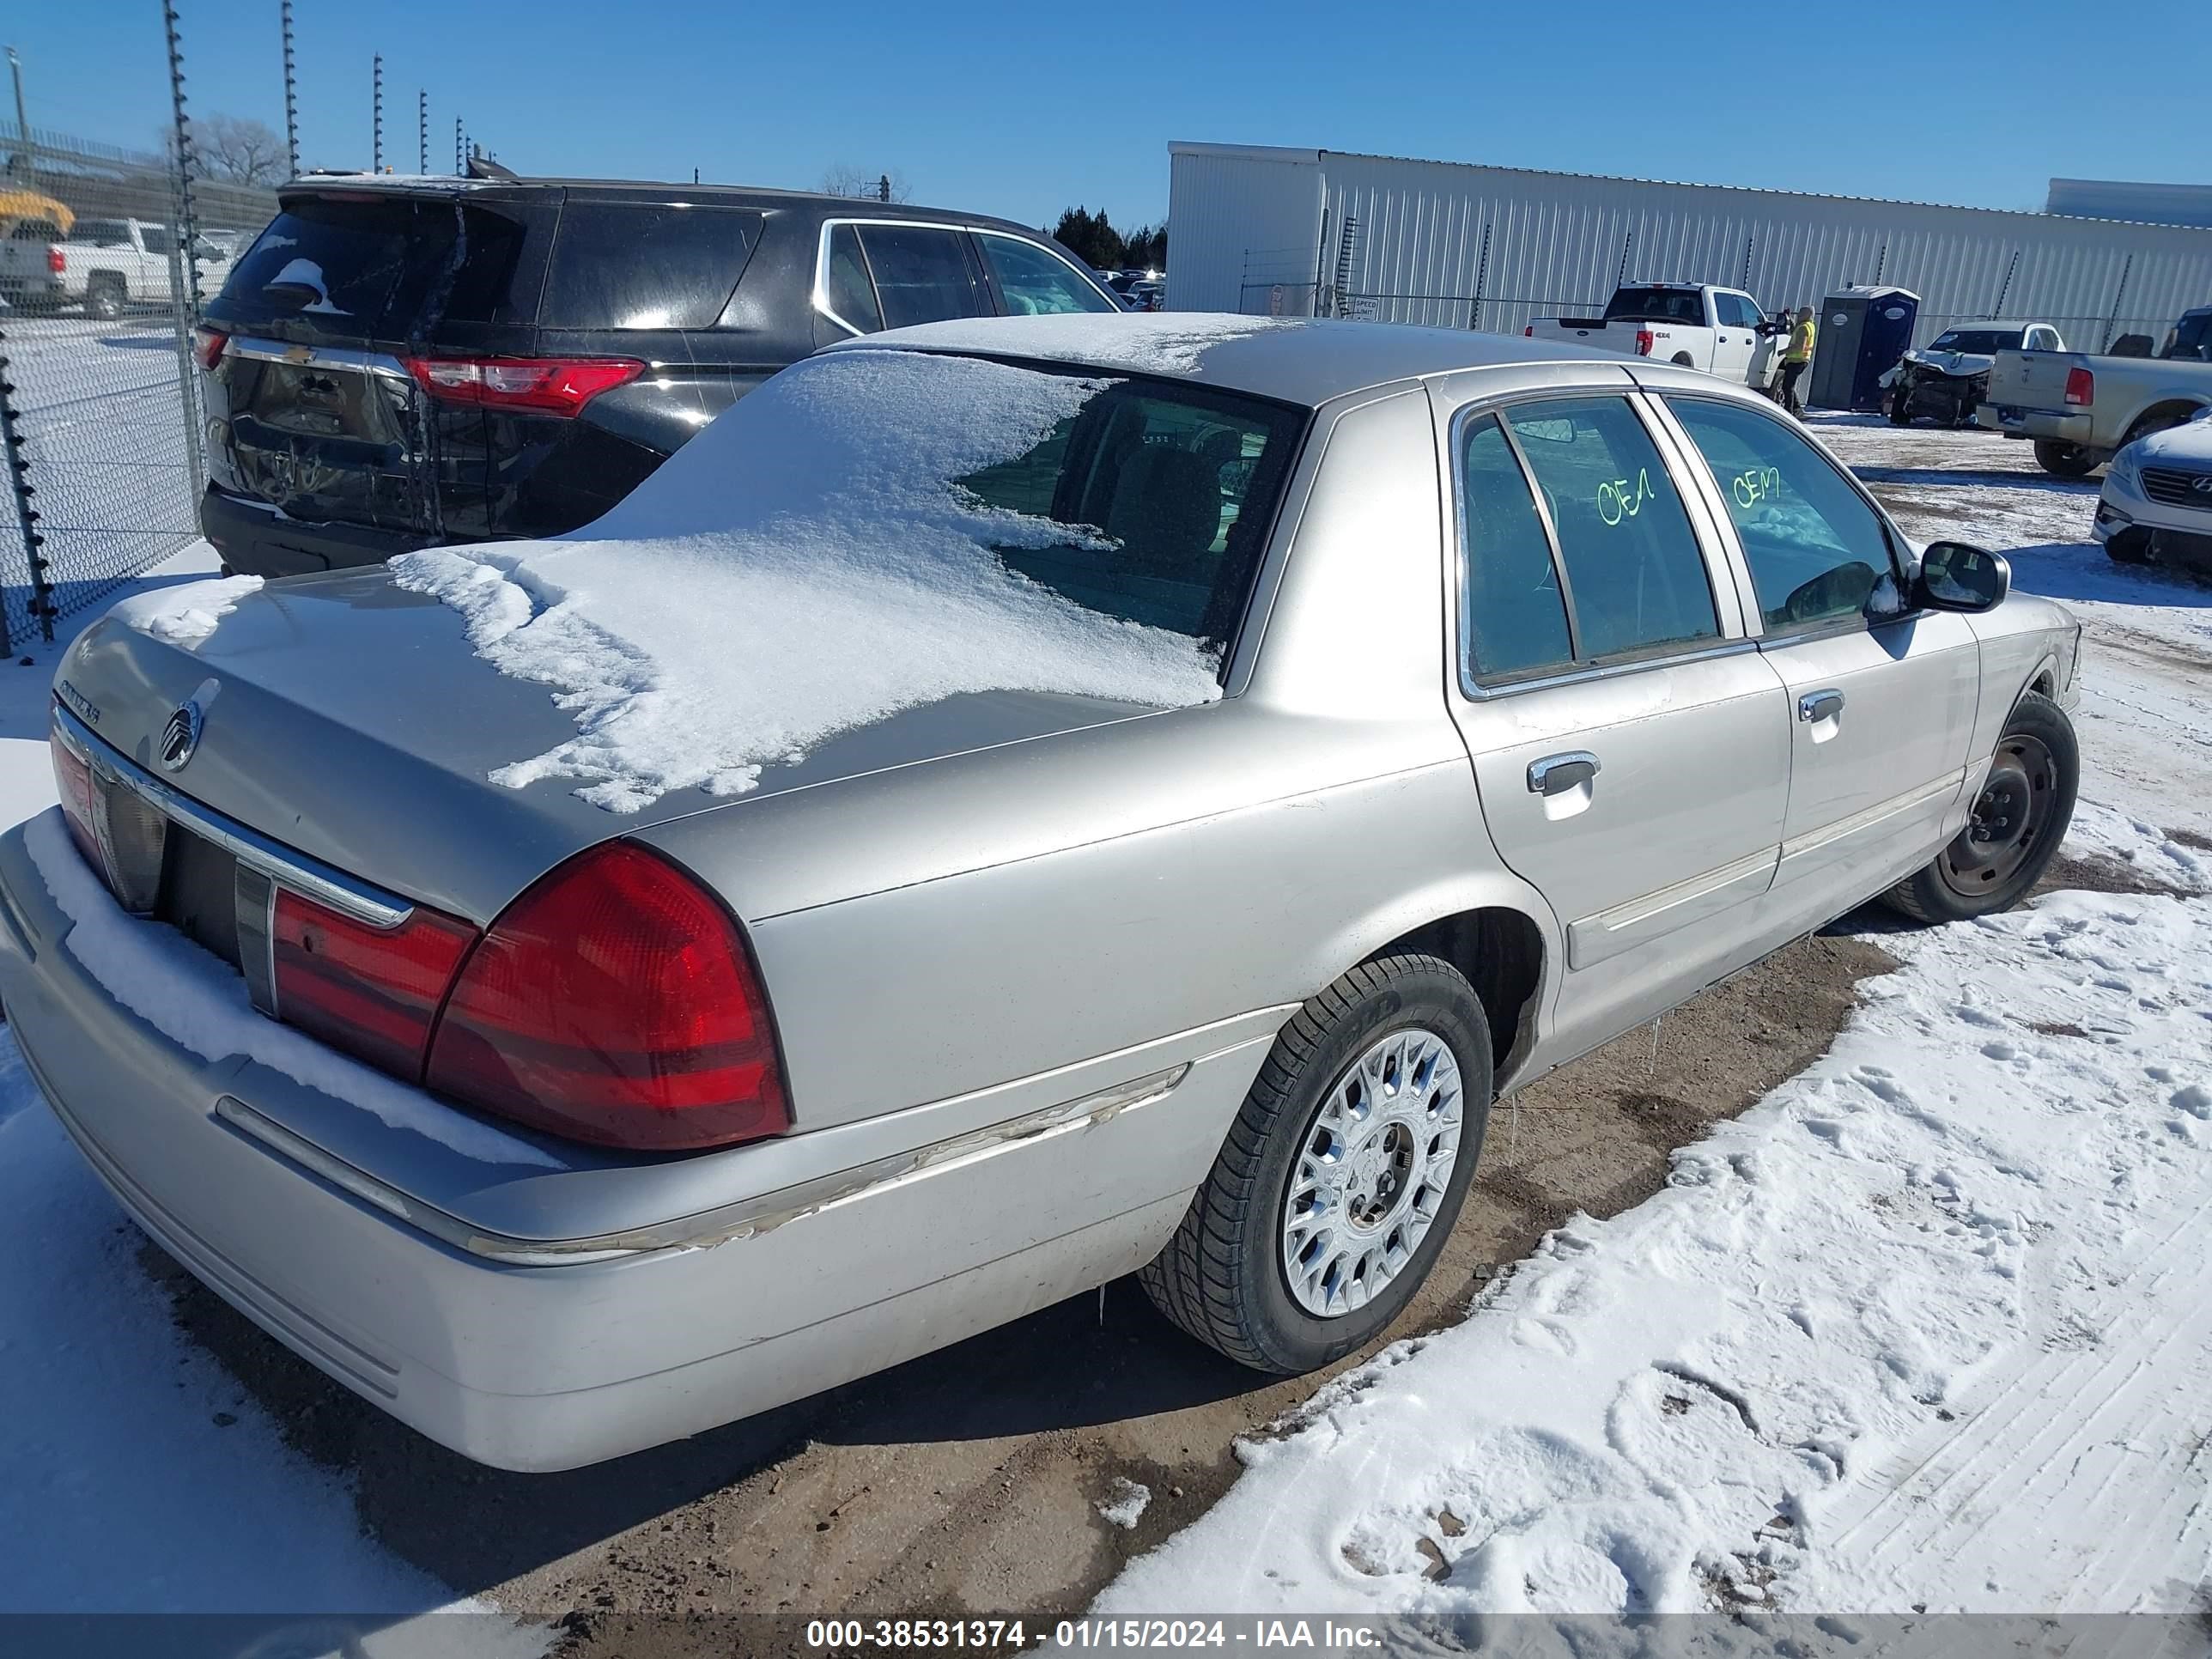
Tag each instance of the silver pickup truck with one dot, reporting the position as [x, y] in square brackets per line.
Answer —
[2081, 409]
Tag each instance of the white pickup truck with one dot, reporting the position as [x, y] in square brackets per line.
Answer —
[104, 265]
[1698, 326]
[2081, 409]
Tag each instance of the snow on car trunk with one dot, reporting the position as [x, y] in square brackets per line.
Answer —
[1926, 1329]
[807, 565]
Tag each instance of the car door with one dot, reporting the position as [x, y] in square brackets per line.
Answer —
[1630, 747]
[1882, 701]
[1735, 335]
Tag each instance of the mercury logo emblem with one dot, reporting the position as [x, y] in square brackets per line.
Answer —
[180, 733]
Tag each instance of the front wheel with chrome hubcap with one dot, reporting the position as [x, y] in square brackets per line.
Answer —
[1343, 1174]
[2019, 817]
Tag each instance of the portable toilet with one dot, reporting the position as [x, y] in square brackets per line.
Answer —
[1862, 333]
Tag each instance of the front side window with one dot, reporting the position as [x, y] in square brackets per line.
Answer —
[154, 238]
[922, 274]
[1636, 579]
[1735, 311]
[1513, 618]
[1166, 494]
[1816, 550]
[1033, 282]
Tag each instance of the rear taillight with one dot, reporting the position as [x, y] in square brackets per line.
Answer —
[56, 261]
[551, 386]
[1529, 333]
[615, 1001]
[1643, 343]
[2081, 387]
[73, 782]
[373, 992]
[208, 345]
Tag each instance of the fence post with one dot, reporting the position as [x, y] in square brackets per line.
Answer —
[376, 114]
[422, 131]
[1481, 277]
[2118, 294]
[291, 100]
[184, 268]
[20, 490]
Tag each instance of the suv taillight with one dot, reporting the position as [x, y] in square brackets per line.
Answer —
[615, 1001]
[551, 386]
[1643, 343]
[207, 344]
[56, 261]
[373, 992]
[2081, 388]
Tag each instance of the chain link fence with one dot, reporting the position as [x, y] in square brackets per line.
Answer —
[102, 412]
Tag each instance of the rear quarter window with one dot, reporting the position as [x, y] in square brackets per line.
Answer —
[641, 265]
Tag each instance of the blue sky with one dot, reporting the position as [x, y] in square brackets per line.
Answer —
[1022, 110]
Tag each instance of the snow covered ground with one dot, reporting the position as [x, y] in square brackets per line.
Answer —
[1928, 1329]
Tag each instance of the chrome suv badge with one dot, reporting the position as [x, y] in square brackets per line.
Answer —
[181, 733]
[2203, 486]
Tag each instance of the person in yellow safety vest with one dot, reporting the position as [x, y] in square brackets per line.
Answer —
[1798, 359]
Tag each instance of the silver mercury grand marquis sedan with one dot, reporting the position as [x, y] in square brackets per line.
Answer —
[1011, 804]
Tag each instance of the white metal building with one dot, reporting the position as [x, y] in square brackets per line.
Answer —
[1311, 231]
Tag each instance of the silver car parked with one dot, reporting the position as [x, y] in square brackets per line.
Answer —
[1541, 690]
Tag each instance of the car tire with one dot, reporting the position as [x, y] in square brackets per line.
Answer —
[2128, 546]
[103, 299]
[1226, 1277]
[2019, 818]
[2063, 460]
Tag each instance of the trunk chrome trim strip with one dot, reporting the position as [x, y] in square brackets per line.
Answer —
[307, 877]
[277, 351]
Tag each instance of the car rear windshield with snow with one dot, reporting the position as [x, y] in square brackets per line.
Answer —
[870, 531]
[376, 267]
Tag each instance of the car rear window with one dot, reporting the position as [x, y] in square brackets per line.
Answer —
[1180, 485]
[638, 265]
[377, 266]
[1655, 305]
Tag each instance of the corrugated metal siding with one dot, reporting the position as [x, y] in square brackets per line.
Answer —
[1559, 242]
[1245, 221]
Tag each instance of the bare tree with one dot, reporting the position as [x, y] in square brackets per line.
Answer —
[860, 185]
[240, 149]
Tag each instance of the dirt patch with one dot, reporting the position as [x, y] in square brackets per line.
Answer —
[2100, 872]
[971, 1480]
[2192, 839]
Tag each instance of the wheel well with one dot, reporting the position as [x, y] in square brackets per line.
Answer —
[2174, 411]
[1502, 954]
[2044, 684]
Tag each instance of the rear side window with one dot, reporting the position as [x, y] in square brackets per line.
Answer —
[850, 293]
[1636, 579]
[1032, 282]
[377, 267]
[1815, 548]
[921, 274]
[1179, 486]
[625, 265]
[1513, 617]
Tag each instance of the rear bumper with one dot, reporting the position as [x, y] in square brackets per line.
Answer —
[552, 1366]
[2016, 423]
[256, 540]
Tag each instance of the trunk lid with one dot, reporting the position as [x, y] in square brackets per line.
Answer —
[2034, 379]
[352, 720]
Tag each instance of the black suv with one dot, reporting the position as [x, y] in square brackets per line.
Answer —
[398, 363]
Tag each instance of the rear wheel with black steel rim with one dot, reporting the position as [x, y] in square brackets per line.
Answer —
[2019, 817]
[1342, 1175]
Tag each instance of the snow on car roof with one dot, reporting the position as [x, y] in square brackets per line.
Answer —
[1292, 360]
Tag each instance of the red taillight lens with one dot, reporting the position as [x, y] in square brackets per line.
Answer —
[56, 261]
[1643, 343]
[73, 782]
[208, 345]
[1529, 333]
[552, 386]
[2081, 387]
[372, 992]
[616, 1002]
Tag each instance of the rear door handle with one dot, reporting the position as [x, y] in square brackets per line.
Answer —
[1555, 774]
[1821, 705]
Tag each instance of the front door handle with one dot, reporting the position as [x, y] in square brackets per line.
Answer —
[1817, 706]
[1555, 774]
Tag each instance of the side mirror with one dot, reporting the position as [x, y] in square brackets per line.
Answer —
[1954, 576]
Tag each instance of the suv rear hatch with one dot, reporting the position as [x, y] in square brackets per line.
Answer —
[312, 407]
